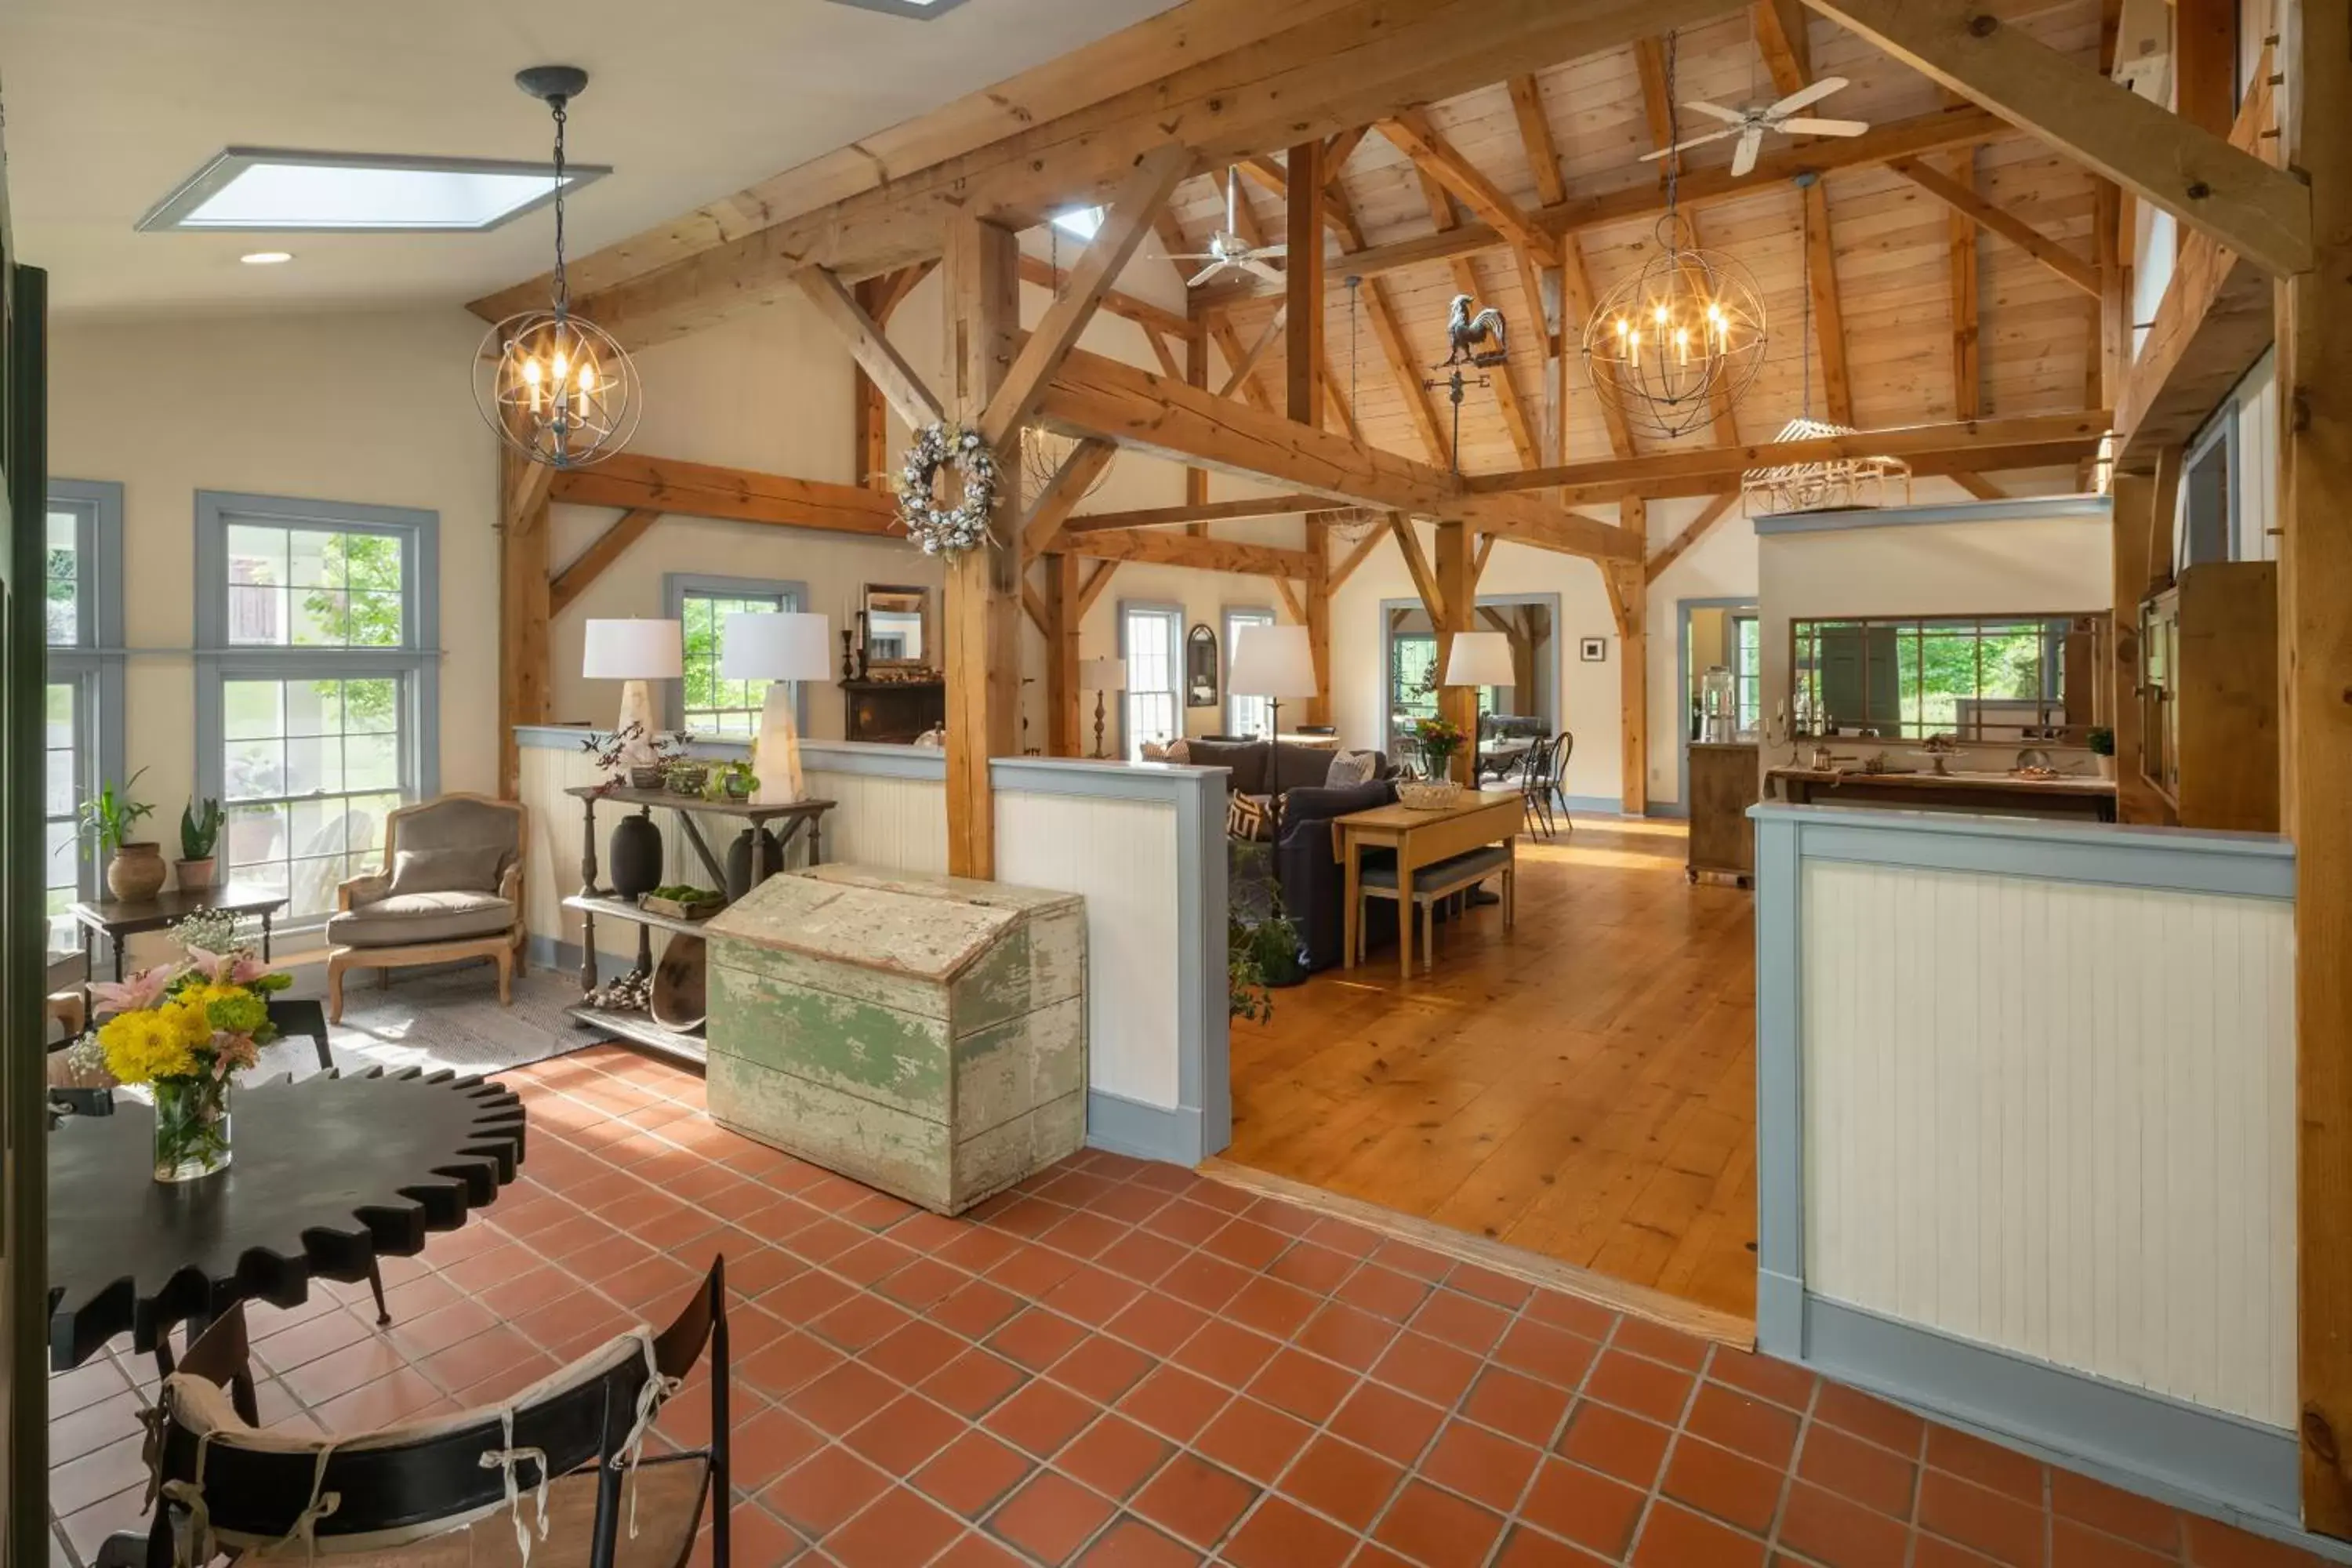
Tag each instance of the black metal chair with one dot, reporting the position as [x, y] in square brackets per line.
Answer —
[551, 1476]
[1542, 782]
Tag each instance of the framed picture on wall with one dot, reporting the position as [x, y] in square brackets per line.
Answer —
[1592, 650]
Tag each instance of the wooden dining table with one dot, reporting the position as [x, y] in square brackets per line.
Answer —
[1420, 838]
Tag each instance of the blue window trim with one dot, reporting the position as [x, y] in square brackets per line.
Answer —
[1546, 671]
[94, 661]
[418, 657]
[676, 585]
[1175, 613]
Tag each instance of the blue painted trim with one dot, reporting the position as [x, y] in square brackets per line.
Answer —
[1176, 613]
[1143, 1132]
[868, 758]
[94, 661]
[2096, 508]
[1683, 608]
[1546, 671]
[1605, 804]
[2188, 860]
[676, 585]
[1780, 1078]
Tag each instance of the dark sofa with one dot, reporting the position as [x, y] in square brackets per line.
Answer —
[1301, 864]
[1245, 762]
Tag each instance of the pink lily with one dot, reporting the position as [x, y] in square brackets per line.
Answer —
[141, 991]
[229, 969]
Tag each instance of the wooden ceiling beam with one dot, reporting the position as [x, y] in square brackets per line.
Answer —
[1302, 349]
[1095, 583]
[1238, 374]
[1416, 566]
[1418, 139]
[1095, 396]
[1186, 550]
[632, 479]
[1152, 318]
[607, 547]
[1049, 513]
[1782, 39]
[1715, 512]
[1829, 310]
[2059, 437]
[1697, 190]
[1535, 137]
[1355, 557]
[2191, 172]
[1962, 198]
[1960, 247]
[901, 386]
[1210, 512]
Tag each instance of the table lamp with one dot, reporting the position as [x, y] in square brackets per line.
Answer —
[1273, 662]
[776, 646]
[1478, 658]
[634, 652]
[1098, 676]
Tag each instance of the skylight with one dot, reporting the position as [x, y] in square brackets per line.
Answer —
[260, 189]
[1081, 221]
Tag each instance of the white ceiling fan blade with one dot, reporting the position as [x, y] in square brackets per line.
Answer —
[1744, 158]
[1278, 249]
[1202, 276]
[1800, 126]
[1729, 116]
[1271, 274]
[1687, 141]
[1806, 95]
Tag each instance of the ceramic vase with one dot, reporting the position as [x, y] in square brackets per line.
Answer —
[739, 860]
[135, 873]
[637, 857]
[191, 1128]
[195, 876]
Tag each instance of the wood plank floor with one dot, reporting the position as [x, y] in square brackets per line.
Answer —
[1583, 1086]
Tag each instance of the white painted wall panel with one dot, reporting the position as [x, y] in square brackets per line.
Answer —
[2057, 1118]
[901, 823]
[1120, 854]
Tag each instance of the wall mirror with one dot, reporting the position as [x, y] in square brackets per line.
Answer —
[897, 625]
[1201, 668]
[1992, 679]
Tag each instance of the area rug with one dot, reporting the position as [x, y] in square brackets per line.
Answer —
[437, 1018]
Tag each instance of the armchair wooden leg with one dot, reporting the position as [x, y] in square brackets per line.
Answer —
[504, 959]
[335, 988]
[521, 955]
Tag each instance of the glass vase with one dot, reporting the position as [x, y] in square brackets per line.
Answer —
[191, 1128]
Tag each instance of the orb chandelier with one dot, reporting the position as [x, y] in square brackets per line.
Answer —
[1683, 334]
[557, 388]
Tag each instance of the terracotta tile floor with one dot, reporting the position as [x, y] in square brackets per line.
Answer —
[1123, 1363]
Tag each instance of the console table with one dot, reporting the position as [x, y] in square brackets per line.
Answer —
[594, 902]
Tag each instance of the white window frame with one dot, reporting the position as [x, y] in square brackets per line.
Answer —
[1173, 615]
[680, 586]
[92, 662]
[414, 661]
[1236, 617]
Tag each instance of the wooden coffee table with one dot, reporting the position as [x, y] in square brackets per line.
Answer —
[116, 921]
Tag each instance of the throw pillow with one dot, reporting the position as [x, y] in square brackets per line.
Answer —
[1178, 751]
[460, 868]
[1247, 817]
[1350, 769]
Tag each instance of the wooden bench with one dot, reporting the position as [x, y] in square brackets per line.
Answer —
[1440, 881]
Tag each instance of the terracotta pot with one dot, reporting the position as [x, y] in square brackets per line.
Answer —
[195, 876]
[135, 874]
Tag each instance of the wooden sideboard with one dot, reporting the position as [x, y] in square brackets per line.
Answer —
[894, 710]
[1725, 780]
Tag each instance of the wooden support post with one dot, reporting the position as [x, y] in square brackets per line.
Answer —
[2315, 381]
[979, 270]
[1454, 587]
[2135, 499]
[1303, 287]
[1196, 374]
[1062, 656]
[1829, 316]
[872, 417]
[1960, 237]
[526, 668]
[1317, 593]
[1629, 600]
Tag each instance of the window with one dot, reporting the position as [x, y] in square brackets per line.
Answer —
[1244, 715]
[318, 699]
[1991, 679]
[1151, 640]
[81, 744]
[705, 703]
[1748, 672]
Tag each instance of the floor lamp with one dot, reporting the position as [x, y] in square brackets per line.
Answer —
[1100, 676]
[1273, 662]
[1478, 659]
[634, 652]
[779, 648]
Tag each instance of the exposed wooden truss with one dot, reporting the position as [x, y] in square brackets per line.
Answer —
[1208, 511]
[607, 547]
[633, 481]
[901, 385]
[1185, 550]
[1049, 511]
[1715, 512]
[1961, 195]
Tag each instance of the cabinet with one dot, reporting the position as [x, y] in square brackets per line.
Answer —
[896, 711]
[1724, 782]
[2209, 709]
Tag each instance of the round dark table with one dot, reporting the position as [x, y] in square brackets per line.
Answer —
[328, 1174]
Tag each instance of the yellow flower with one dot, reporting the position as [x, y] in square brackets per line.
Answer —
[142, 1047]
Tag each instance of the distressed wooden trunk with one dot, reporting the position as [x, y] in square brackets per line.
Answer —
[925, 1034]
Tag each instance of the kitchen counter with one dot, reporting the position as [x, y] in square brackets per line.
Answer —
[2068, 795]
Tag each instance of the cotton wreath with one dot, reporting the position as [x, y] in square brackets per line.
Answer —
[947, 530]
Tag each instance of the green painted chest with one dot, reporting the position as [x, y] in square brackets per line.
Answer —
[924, 1034]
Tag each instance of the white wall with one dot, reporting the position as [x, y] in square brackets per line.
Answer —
[347, 407]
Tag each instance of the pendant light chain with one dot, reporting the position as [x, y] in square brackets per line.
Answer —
[563, 288]
[1674, 136]
[1805, 331]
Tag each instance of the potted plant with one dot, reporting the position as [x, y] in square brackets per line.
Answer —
[1438, 738]
[199, 836]
[1261, 942]
[134, 871]
[611, 752]
[2103, 746]
[683, 902]
[739, 780]
[686, 776]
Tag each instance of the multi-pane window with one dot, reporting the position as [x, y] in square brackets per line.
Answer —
[1987, 680]
[317, 701]
[81, 740]
[1153, 637]
[1747, 672]
[716, 705]
[1244, 715]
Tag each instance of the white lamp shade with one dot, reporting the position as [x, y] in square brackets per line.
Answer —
[1479, 658]
[776, 645]
[1272, 661]
[633, 650]
[1103, 675]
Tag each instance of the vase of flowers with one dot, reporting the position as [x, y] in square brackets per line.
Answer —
[182, 1029]
[1438, 739]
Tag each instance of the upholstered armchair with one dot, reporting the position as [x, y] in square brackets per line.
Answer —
[451, 888]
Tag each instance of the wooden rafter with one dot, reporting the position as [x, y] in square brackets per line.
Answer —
[634, 479]
[1650, 67]
[1238, 375]
[1417, 138]
[1210, 512]
[1961, 196]
[1781, 38]
[1416, 566]
[1355, 557]
[901, 385]
[1715, 512]
[1960, 242]
[2193, 173]
[568, 584]
[1152, 318]
[1387, 331]
[1185, 550]
[1302, 357]
[1095, 584]
[1094, 396]
[1049, 510]
[1478, 561]
[1829, 311]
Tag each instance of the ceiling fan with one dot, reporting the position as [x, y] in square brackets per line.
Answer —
[1227, 248]
[1751, 124]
